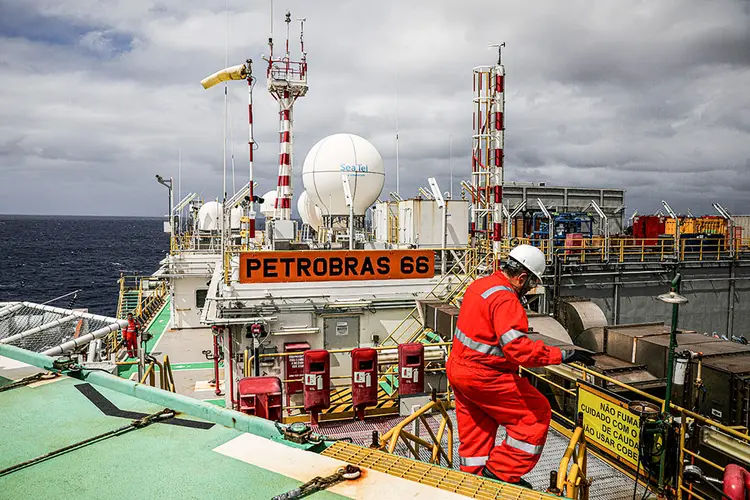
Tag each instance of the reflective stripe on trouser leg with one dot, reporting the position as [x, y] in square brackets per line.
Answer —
[473, 461]
[531, 449]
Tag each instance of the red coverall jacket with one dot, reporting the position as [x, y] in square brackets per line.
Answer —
[489, 345]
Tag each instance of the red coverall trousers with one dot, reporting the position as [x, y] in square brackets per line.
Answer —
[487, 399]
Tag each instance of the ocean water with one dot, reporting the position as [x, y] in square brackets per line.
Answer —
[43, 257]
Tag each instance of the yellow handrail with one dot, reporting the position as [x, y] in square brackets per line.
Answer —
[389, 440]
[574, 483]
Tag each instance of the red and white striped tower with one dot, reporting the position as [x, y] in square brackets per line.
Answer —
[287, 81]
[488, 126]
[497, 127]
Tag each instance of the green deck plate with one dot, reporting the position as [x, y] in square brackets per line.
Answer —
[159, 325]
[159, 461]
[217, 402]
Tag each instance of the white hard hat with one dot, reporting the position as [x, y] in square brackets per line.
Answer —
[531, 258]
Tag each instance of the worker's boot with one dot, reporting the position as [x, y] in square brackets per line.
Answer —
[490, 475]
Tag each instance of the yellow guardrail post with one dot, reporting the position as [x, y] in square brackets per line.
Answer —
[573, 482]
[389, 440]
[168, 375]
[149, 374]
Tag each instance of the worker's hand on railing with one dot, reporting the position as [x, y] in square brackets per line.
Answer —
[576, 356]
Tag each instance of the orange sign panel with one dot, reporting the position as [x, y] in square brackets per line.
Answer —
[332, 265]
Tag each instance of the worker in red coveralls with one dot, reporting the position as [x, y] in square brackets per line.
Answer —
[489, 345]
[130, 335]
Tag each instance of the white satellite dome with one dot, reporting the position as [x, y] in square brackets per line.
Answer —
[267, 207]
[334, 156]
[310, 213]
[209, 216]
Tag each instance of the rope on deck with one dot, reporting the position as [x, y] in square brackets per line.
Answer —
[135, 424]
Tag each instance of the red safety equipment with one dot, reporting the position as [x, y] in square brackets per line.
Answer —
[130, 336]
[364, 379]
[489, 345]
[317, 389]
[410, 368]
[736, 482]
[294, 366]
[261, 396]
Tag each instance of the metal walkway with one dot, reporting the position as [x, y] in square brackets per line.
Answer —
[608, 483]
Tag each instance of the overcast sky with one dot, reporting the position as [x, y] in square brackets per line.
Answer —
[97, 96]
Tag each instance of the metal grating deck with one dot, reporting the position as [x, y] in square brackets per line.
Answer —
[430, 475]
[608, 482]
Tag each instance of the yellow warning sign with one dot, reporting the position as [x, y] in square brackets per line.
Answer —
[608, 423]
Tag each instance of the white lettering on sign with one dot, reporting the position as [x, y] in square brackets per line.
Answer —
[608, 423]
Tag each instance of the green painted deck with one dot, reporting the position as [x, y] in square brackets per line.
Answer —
[159, 461]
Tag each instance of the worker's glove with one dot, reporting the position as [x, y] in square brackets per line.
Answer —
[577, 356]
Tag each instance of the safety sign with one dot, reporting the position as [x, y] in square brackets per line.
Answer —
[608, 423]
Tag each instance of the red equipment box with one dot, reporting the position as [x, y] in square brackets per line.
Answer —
[364, 379]
[317, 388]
[261, 396]
[410, 368]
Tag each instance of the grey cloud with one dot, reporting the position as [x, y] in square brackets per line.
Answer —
[651, 97]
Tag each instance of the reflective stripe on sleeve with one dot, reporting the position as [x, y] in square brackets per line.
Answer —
[509, 336]
[531, 449]
[477, 346]
[473, 461]
[491, 291]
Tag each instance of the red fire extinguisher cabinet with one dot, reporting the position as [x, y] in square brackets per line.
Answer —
[364, 379]
[410, 368]
[317, 382]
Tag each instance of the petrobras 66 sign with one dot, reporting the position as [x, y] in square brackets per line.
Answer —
[286, 267]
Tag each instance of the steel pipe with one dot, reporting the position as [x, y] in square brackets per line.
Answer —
[80, 341]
